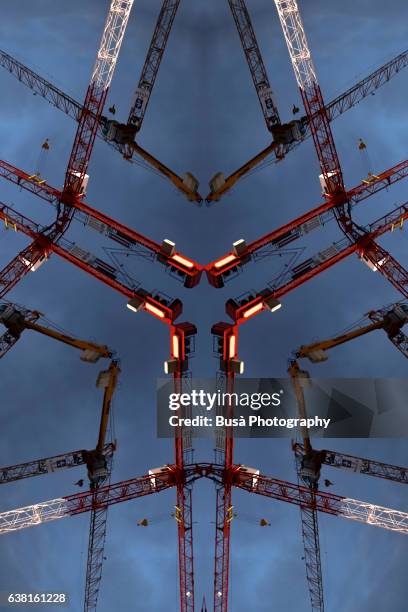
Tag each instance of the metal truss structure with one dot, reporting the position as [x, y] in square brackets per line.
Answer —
[70, 205]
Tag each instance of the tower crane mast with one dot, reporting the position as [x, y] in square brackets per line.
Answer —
[98, 461]
[309, 461]
[181, 347]
[99, 472]
[255, 62]
[226, 340]
[112, 37]
[152, 63]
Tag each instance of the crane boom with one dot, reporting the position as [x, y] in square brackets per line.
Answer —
[185, 268]
[17, 320]
[295, 229]
[162, 308]
[181, 336]
[164, 478]
[79, 503]
[76, 178]
[353, 509]
[255, 62]
[152, 63]
[47, 465]
[391, 321]
[243, 310]
[358, 465]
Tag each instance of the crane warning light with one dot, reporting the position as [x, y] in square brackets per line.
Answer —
[154, 310]
[253, 310]
[272, 304]
[175, 346]
[232, 346]
[223, 262]
[183, 261]
[135, 304]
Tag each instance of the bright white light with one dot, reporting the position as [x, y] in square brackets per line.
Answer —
[253, 310]
[223, 262]
[156, 311]
[184, 262]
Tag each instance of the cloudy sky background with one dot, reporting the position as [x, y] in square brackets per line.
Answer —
[204, 117]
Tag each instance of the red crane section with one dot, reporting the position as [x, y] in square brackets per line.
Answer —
[242, 253]
[166, 253]
[76, 178]
[374, 256]
[181, 338]
[226, 349]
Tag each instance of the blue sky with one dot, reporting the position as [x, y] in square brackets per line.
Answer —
[204, 117]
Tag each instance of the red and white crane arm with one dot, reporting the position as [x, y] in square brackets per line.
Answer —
[353, 509]
[108, 52]
[62, 507]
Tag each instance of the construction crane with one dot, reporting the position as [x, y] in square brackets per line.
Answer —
[223, 268]
[98, 461]
[166, 253]
[76, 177]
[162, 307]
[185, 268]
[181, 348]
[331, 178]
[74, 109]
[283, 134]
[391, 319]
[226, 351]
[309, 460]
[242, 309]
[160, 479]
[334, 109]
[183, 473]
[16, 320]
[124, 135]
